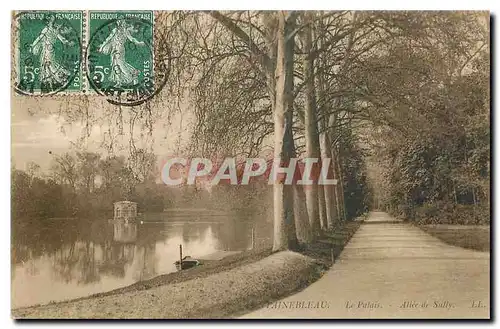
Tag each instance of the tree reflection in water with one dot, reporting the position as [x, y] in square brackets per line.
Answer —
[75, 256]
[120, 251]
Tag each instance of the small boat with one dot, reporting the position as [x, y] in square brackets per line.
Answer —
[187, 262]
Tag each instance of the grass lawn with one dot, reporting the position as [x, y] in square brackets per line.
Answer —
[465, 236]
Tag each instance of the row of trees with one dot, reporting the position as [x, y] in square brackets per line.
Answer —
[441, 171]
[315, 84]
[328, 85]
[251, 75]
[85, 184]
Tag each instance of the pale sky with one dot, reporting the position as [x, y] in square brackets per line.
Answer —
[37, 128]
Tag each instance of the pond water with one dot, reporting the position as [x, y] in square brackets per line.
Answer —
[55, 260]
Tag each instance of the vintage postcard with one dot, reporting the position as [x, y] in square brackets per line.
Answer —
[250, 165]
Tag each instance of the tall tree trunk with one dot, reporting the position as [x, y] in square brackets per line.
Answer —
[338, 189]
[331, 200]
[332, 122]
[277, 65]
[340, 185]
[322, 204]
[311, 129]
[303, 229]
[284, 222]
[330, 205]
[322, 208]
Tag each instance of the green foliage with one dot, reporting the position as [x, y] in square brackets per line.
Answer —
[447, 163]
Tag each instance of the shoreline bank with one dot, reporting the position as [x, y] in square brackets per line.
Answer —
[234, 285]
[215, 296]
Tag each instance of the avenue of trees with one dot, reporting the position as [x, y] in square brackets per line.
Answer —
[407, 90]
[341, 85]
[438, 168]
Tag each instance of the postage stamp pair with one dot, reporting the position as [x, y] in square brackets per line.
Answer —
[86, 52]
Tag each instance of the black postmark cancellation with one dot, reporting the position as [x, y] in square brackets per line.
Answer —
[48, 51]
[108, 54]
[122, 63]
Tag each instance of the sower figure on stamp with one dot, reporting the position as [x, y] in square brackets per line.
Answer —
[51, 72]
[122, 73]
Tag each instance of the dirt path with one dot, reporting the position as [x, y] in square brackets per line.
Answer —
[391, 269]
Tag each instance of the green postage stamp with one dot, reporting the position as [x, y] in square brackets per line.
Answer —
[49, 52]
[120, 54]
[107, 53]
